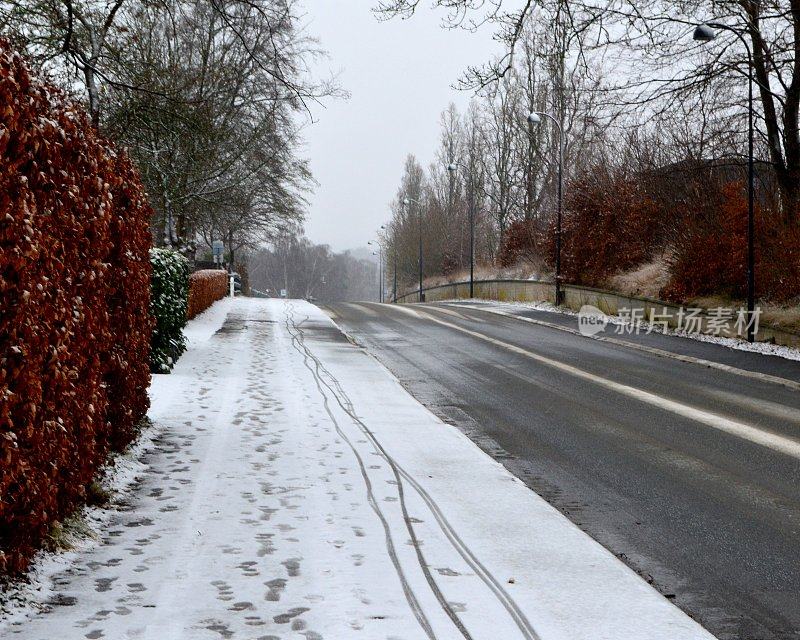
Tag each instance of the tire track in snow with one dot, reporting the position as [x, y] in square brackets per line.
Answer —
[413, 602]
[341, 397]
[401, 494]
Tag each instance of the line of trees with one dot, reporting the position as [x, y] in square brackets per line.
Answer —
[654, 130]
[206, 96]
[311, 271]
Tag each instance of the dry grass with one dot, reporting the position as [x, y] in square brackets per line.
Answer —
[97, 495]
[780, 316]
[785, 317]
[66, 534]
[522, 271]
[646, 280]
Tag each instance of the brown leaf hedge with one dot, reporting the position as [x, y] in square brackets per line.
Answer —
[74, 295]
[616, 220]
[205, 288]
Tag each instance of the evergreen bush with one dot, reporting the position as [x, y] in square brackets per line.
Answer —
[169, 295]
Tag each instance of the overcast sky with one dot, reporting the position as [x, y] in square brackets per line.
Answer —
[400, 75]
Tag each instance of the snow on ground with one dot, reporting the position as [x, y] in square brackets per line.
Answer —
[765, 348]
[204, 325]
[295, 490]
[82, 532]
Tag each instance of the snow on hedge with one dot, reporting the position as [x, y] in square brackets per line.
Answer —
[168, 303]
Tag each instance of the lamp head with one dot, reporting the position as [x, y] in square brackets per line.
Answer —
[534, 118]
[452, 167]
[406, 201]
[704, 33]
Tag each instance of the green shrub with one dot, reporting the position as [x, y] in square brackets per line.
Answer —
[169, 295]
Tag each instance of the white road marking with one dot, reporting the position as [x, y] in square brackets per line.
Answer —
[757, 375]
[402, 308]
[774, 441]
[772, 409]
[363, 308]
[452, 312]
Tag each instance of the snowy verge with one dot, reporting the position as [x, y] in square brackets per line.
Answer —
[198, 330]
[118, 478]
[206, 324]
[764, 348]
[83, 530]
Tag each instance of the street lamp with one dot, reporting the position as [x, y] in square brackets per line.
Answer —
[706, 33]
[380, 292]
[406, 202]
[535, 118]
[452, 168]
[383, 277]
[394, 260]
[380, 266]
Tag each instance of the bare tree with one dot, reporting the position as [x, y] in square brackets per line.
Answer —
[217, 140]
[499, 128]
[77, 33]
[310, 271]
[657, 68]
[88, 40]
[447, 215]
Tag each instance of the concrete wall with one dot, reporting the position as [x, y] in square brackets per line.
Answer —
[574, 298]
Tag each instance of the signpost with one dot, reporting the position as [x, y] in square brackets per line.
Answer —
[218, 249]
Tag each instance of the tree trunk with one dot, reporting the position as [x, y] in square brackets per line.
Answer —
[789, 184]
[785, 157]
[530, 186]
[92, 89]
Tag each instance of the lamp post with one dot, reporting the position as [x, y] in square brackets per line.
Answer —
[383, 276]
[380, 266]
[394, 284]
[394, 260]
[452, 168]
[535, 118]
[380, 287]
[706, 33]
[406, 202]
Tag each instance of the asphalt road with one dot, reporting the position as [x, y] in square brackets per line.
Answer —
[688, 472]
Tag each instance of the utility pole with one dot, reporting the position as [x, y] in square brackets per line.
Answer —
[705, 33]
[452, 168]
[407, 201]
[535, 118]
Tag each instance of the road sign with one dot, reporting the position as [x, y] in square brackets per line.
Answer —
[218, 249]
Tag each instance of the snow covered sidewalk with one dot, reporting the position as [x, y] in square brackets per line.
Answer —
[295, 490]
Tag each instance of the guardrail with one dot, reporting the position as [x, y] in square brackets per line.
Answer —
[574, 297]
